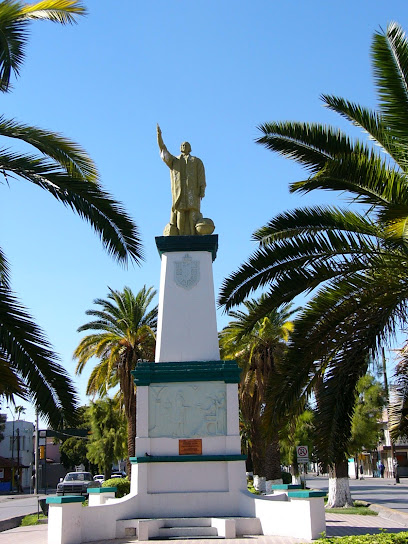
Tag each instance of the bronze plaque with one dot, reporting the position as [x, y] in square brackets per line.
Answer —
[193, 446]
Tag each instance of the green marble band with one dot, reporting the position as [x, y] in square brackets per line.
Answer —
[191, 371]
[169, 244]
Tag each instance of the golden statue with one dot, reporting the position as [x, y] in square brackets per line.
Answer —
[187, 189]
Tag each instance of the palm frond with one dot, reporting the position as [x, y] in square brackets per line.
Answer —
[69, 155]
[311, 145]
[30, 357]
[299, 263]
[57, 11]
[117, 231]
[4, 271]
[390, 61]
[15, 18]
[372, 123]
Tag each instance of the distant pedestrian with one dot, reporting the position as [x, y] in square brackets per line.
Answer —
[381, 468]
[361, 471]
[18, 483]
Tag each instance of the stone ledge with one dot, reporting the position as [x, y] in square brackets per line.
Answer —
[65, 499]
[286, 486]
[170, 244]
[305, 494]
[186, 458]
[102, 490]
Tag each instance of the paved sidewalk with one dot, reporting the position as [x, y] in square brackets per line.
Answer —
[337, 525]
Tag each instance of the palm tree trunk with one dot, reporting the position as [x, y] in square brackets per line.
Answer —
[131, 427]
[339, 487]
[272, 459]
[258, 450]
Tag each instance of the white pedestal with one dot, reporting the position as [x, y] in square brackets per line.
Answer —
[187, 326]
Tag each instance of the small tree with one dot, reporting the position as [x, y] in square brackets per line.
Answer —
[74, 452]
[365, 426]
[299, 430]
[108, 441]
[73, 449]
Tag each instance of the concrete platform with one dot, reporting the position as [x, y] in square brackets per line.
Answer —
[337, 525]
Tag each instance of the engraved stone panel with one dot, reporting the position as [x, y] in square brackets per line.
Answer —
[187, 272]
[187, 410]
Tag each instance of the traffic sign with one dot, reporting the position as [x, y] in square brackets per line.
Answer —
[302, 453]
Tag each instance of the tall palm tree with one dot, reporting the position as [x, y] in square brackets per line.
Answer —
[353, 262]
[124, 334]
[28, 365]
[258, 347]
[398, 409]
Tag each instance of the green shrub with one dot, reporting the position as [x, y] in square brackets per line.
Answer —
[286, 477]
[31, 519]
[382, 538]
[122, 484]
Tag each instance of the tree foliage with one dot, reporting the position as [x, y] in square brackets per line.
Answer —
[298, 431]
[29, 367]
[108, 439]
[350, 262]
[73, 449]
[365, 424]
[258, 346]
[123, 333]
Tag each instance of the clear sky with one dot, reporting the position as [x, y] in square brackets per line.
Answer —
[209, 72]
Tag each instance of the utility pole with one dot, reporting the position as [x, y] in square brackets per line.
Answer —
[12, 451]
[18, 461]
[36, 460]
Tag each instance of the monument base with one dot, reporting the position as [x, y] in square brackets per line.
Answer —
[188, 475]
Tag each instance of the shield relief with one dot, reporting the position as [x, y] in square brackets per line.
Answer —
[187, 272]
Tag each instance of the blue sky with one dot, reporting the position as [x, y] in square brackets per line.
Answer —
[209, 72]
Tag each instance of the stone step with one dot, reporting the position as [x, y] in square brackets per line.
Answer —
[181, 532]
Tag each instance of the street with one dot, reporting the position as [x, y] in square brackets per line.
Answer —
[383, 491]
[18, 505]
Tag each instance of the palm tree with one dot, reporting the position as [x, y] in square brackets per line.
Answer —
[124, 334]
[258, 347]
[29, 367]
[353, 262]
[398, 408]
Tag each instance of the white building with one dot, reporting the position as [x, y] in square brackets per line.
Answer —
[18, 444]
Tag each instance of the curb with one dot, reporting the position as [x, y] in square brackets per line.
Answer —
[390, 513]
[11, 523]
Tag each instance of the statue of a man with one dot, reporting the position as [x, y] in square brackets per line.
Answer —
[187, 189]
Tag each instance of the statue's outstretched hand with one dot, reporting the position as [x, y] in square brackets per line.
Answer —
[159, 137]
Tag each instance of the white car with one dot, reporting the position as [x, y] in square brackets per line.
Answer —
[99, 478]
[77, 483]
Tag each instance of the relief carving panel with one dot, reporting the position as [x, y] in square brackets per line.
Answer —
[196, 409]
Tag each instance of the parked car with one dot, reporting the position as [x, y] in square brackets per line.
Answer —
[118, 474]
[99, 478]
[77, 483]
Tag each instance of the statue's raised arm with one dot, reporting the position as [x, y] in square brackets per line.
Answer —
[187, 176]
[160, 138]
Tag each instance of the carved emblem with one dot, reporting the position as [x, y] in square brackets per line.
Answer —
[187, 272]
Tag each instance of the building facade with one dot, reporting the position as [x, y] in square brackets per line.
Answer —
[18, 447]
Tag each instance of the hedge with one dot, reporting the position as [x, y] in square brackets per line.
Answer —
[122, 484]
[382, 538]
